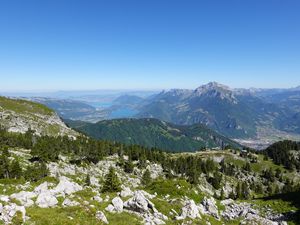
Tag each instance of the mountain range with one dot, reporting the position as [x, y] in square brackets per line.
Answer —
[235, 113]
[254, 117]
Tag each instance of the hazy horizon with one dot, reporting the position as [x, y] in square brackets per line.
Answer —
[125, 91]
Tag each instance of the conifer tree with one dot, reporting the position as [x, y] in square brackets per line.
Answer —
[4, 164]
[245, 191]
[87, 180]
[112, 182]
[222, 195]
[15, 169]
[146, 179]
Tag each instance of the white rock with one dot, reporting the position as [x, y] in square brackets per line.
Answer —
[118, 204]
[253, 218]
[210, 207]
[4, 198]
[139, 203]
[65, 186]
[41, 188]
[110, 208]
[106, 198]
[46, 199]
[69, 203]
[147, 195]
[94, 181]
[190, 210]
[24, 197]
[126, 192]
[227, 202]
[97, 198]
[101, 216]
[156, 170]
[7, 212]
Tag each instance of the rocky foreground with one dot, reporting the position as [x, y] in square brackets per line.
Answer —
[65, 189]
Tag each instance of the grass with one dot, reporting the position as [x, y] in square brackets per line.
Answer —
[165, 207]
[23, 106]
[83, 214]
[61, 216]
[169, 187]
[8, 186]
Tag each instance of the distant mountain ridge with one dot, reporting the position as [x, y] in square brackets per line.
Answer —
[154, 133]
[254, 114]
[72, 109]
[236, 113]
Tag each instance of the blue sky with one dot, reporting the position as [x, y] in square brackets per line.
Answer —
[157, 44]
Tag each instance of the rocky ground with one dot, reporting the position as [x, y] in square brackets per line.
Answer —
[64, 198]
[19, 116]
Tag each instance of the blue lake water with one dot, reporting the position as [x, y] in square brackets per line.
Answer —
[118, 113]
[123, 113]
[100, 104]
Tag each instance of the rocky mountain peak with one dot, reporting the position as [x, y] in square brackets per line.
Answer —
[214, 89]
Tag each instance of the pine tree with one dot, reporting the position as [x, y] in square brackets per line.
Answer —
[128, 167]
[215, 181]
[15, 169]
[146, 179]
[112, 182]
[245, 192]
[238, 191]
[4, 164]
[222, 195]
[232, 195]
[87, 180]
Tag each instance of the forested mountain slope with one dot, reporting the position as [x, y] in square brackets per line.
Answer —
[155, 133]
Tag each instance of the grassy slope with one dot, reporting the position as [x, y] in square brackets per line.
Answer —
[23, 106]
[32, 114]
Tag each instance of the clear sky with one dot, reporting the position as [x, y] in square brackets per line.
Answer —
[148, 44]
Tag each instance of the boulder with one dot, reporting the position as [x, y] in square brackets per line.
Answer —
[189, 210]
[126, 192]
[256, 219]
[65, 186]
[154, 219]
[41, 188]
[46, 200]
[143, 207]
[139, 203]
[69, 203]
[4, 198]
[151, 220]
[118, 204]
[24, 197]
[101, 216]
[210, 207]
[94, 181]
[97, 198]
[147, 195]
[156, 170]
[7, 212]
[244, 210]
[110, 208]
